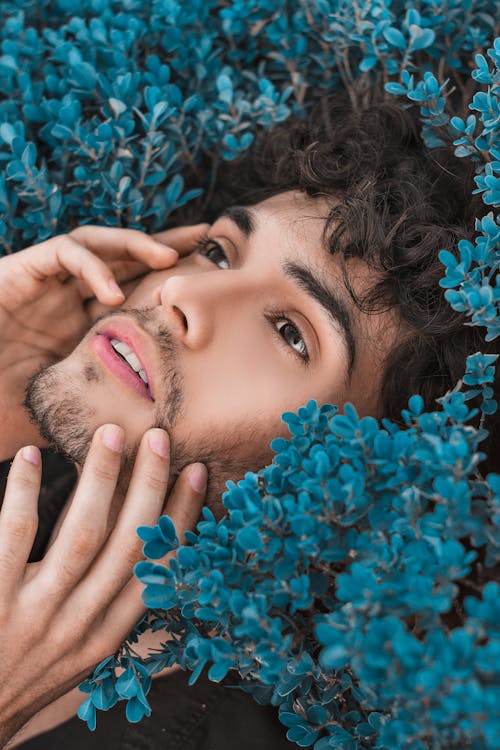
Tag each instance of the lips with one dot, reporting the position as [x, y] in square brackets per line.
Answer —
[131, 335]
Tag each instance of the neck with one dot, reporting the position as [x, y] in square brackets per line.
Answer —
[17, 431]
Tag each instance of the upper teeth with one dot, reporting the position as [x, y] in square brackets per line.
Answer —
[131, 358]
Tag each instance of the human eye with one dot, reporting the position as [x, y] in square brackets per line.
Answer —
[211, 249]
[286, 331]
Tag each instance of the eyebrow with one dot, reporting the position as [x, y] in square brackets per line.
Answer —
[242, 217]
[310, 282]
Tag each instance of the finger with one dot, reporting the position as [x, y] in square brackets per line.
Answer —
[109, 243]
[64, 255]
[19, 519]
[114, 243]
[95, 309]
[183, 507]
[143, 504]
[124, 271]
[84, 528]
[183, 239]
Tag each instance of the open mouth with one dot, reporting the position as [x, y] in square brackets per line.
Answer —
[125, 352]
[122, 361]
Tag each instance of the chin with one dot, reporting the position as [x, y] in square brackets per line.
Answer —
[56, 403]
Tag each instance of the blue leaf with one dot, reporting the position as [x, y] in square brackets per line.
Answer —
[7, 132]
[29, 156]
[395, 37]
[395, 88]
[420, 38]
[174, 189]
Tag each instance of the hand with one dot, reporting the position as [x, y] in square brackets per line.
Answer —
[182, 239]
[43, 291]
[60, 617]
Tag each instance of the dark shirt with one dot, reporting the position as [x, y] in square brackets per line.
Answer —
[205, 716]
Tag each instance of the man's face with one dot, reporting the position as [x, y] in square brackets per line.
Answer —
[230, 337]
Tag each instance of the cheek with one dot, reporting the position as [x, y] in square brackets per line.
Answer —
[230, 387]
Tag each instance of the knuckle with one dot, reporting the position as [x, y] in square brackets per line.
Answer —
[156, 482]
[93, 649]
[133, 234]
[66, 637]
[25, 480]
[19, 526]
[104, 472]
[36, 631]
[86, 542]
[131, 552]
[61, 241]
[33, 599]
[8, 562]
[75, 246]
[60, 638]
[61, 581]
[79, 233]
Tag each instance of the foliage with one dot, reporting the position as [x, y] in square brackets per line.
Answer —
[343, 583]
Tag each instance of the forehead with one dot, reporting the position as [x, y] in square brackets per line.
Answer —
[292, 224]
[293, 218]
[289, 227]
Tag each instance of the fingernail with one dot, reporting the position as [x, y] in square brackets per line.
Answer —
[158, 442]
[115, 288]
[32, 454]
[113, 438]
[167, 248]
[197, 478]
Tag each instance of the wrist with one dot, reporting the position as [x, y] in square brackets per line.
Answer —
[10, 724]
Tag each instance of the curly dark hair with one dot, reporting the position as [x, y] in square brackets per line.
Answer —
[400, 204]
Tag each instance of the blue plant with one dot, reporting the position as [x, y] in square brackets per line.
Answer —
[107, 108]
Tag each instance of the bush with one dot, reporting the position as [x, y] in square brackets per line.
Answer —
[351, 583]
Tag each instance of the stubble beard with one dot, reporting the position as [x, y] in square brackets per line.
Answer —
[56, 402]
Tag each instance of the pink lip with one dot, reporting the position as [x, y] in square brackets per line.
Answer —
[126, 332]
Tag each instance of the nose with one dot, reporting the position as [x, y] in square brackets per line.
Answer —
[192, 302]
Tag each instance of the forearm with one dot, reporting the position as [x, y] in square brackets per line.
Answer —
[36, 714]
[8, 728]
[7, 732]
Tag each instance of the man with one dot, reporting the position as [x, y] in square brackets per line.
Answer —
[222, 354]
[322, 282]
